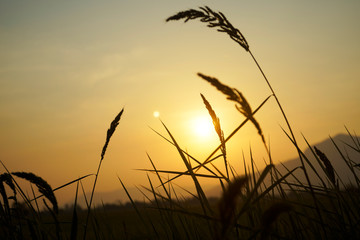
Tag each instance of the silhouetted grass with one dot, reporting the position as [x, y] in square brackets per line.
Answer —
[261, 204]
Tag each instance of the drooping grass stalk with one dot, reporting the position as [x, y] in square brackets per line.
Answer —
[26, 199]
[16, 217]
[42, 186]
[219, 21]
[109, 134]
[236, 96]
[244, 108]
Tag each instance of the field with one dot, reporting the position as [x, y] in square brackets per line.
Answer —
[261, 204]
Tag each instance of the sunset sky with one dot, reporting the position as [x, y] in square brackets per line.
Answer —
[68, 67]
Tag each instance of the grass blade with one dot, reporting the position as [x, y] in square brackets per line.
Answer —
[74, 221]
[203, 200]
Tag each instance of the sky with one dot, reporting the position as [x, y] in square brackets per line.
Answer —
[68, 67]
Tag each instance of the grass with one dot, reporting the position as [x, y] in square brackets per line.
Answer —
[261, 204]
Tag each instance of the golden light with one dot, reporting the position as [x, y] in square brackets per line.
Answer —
[156, 114]
[203, 126]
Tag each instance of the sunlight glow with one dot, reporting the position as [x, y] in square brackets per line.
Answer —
[202, 126]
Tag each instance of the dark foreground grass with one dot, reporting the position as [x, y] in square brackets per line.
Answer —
[260, 204]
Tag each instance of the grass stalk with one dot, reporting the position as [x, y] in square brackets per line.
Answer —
[109, 134]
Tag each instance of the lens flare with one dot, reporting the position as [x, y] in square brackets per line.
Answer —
[156, 114]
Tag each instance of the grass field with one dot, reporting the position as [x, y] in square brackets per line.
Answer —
[261, 204]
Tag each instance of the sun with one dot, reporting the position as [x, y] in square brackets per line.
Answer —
[202, 126]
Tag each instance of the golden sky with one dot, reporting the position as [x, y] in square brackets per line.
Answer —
[68, 67]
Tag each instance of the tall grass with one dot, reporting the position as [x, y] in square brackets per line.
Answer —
[109, 134]
[260, 204]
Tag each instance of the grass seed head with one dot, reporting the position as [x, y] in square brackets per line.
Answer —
[213, 20]
[328, 166]
[110, 132]
[42, 185]
[235, 95]
[6, 178]
[216, 122]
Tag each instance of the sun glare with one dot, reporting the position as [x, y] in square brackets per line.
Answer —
[203, 126]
